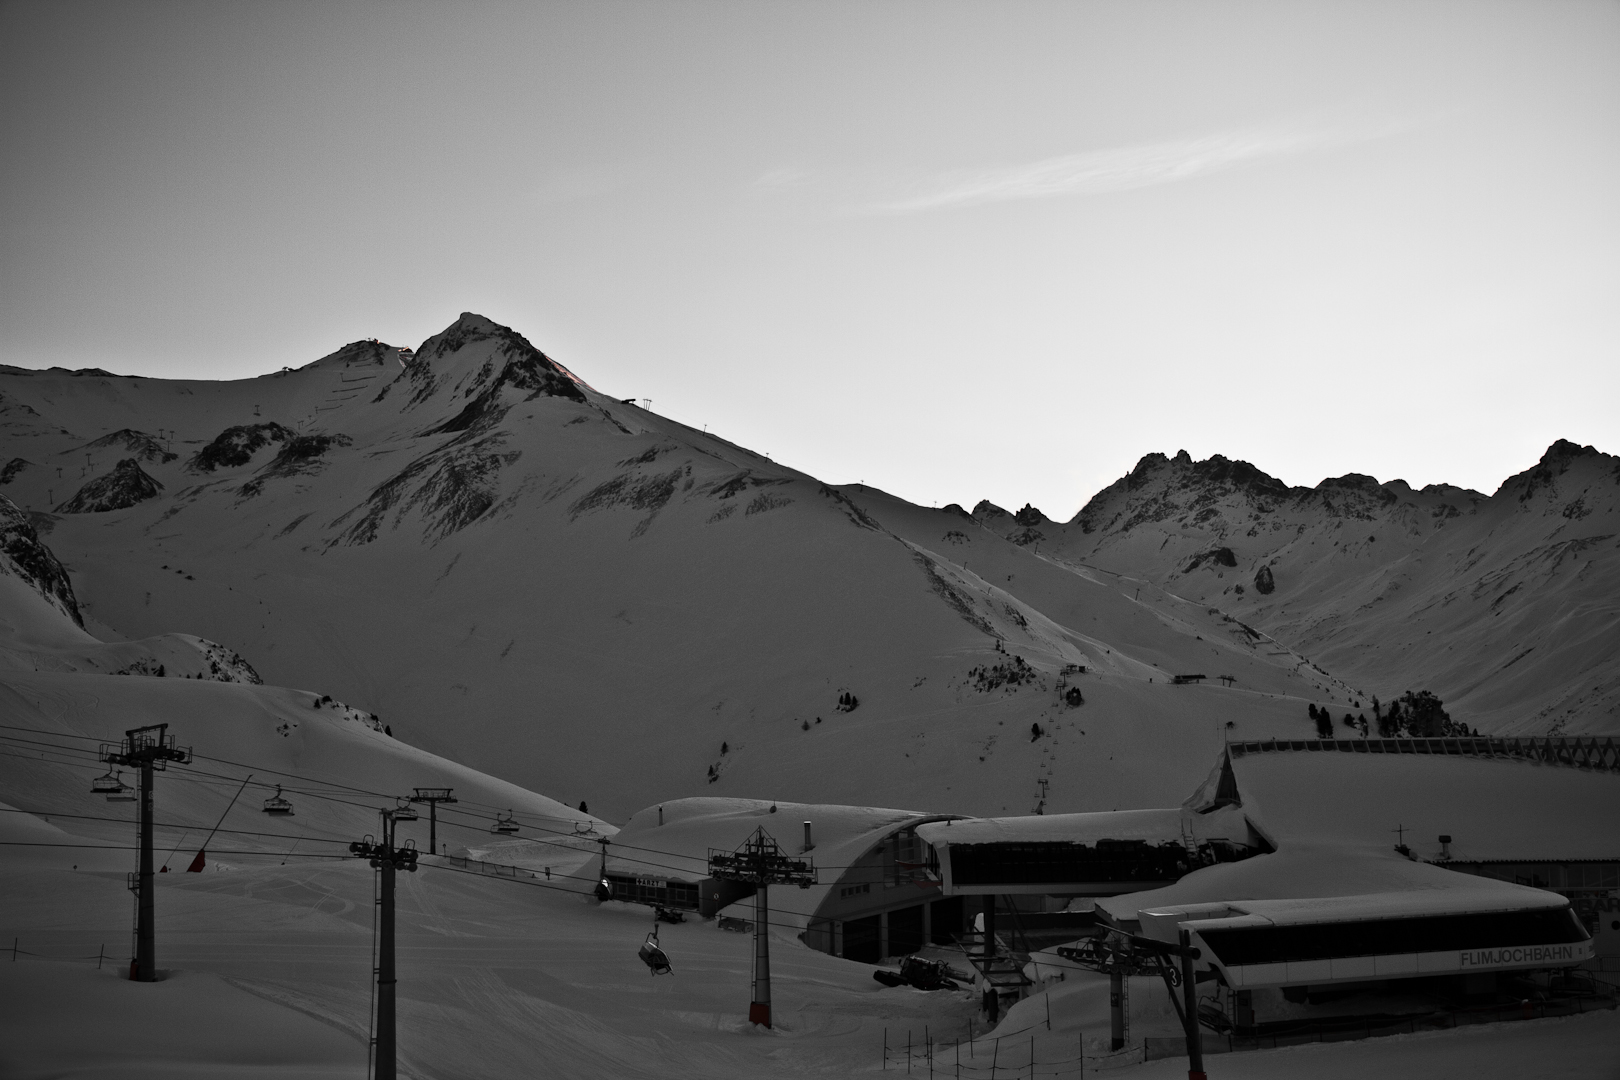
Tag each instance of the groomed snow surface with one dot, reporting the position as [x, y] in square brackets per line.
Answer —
[267, 978]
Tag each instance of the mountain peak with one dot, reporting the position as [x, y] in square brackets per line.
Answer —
[368, 352]
[1560, 458]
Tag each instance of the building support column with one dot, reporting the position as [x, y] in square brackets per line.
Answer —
[1116, 1011]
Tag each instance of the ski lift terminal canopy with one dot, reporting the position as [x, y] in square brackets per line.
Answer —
[668, 863]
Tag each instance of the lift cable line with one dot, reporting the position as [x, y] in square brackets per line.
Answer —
[201, 860]
[136, 847]
[148, 749]
[171, 825]
[760, 862]
[484, 819]
[387, 858]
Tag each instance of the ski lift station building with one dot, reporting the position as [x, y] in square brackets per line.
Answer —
[875, 894]
[1500, 863]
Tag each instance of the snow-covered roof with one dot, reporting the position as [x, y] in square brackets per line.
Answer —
[1484, 895]
[679, 848]
[1492, 809]
[1316, 877]
[1148, 825]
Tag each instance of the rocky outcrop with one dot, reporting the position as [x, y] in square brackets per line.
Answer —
[511, 362]
[301, 455]
[28, 557]
[235, 446]
[125, 486]
[451, 487]
[138, 444]
[367, 353]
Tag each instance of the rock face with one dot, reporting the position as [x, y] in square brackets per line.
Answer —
[29, 558]
[125, 486]
[235, 446]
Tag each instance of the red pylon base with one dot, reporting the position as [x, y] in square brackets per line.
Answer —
[759, 1014]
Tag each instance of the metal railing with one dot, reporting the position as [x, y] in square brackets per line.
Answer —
[1602, 754]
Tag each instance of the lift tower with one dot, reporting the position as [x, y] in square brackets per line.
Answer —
[760, 862]
[147, 749]
[433, 796]
[387, 858]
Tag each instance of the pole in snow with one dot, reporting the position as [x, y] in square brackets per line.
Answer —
[433, 796]
[760, 862]
[147, 749]
[1189, 989]
[388, 859]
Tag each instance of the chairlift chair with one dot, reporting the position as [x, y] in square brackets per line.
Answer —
[123, 793]
[405, 811]
[652, 954]
[277, 805]
[504, 824]
[108, 784]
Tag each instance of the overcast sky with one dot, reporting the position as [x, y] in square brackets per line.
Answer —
[964, 251]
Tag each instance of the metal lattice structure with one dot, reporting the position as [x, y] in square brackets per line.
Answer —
[760, 863]
[433, 796]
[149, 750]
[384, 856]
[1575, 752]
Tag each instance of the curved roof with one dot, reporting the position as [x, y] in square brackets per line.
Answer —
[1152, 825]
[679, 848]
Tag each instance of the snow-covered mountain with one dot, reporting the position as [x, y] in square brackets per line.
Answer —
[572, 593]
[1507, 605]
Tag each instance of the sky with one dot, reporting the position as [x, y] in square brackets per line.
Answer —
[956, 251]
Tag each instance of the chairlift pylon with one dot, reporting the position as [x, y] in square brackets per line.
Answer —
[277, 805]
[504, 824]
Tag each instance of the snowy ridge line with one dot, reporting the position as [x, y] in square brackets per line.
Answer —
[1574, 751]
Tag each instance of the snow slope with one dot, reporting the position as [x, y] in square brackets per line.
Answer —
[587, 599]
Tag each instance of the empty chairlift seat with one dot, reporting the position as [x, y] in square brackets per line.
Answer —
[278, 806]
